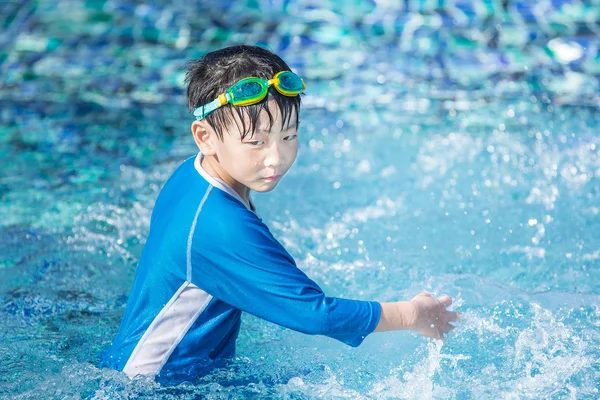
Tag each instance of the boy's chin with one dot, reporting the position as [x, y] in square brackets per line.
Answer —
[265, 187]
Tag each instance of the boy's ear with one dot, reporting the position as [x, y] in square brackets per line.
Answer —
[205, 137]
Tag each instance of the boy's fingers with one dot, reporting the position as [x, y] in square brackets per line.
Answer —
[452, 316]
[441, 336]
[445, 300]
[437, 334]
[448, 327]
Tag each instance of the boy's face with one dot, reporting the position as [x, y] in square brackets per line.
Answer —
[257, 162]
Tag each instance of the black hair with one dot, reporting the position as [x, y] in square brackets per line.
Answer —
[212, 74]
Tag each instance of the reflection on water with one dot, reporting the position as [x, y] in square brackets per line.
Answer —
[448, 146]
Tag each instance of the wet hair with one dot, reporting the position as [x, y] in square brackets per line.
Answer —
[215, 72]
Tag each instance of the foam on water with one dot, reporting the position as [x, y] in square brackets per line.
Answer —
[540, 357]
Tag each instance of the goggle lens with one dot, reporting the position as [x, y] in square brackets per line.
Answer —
[244, 90]
[290, 82]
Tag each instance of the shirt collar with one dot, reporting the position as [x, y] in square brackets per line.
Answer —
[220, 184]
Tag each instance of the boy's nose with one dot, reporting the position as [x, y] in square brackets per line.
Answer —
[274, 158]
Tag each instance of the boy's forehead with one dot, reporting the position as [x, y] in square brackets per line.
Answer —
[263, 124]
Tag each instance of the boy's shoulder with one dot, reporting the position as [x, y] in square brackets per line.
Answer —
[188, 191]
[190, 179]
[215, 199]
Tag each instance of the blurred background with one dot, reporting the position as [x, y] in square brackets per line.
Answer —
[449, 146]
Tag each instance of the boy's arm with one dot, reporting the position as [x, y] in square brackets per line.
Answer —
[395, 316]
[244, 266]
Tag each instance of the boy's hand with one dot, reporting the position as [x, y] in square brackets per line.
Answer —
[430, 316]
[423, 314]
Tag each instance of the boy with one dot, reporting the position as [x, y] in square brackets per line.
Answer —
[209, 256]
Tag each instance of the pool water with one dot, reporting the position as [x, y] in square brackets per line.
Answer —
[444, 146]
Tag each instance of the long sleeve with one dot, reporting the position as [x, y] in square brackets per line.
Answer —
[243, 265]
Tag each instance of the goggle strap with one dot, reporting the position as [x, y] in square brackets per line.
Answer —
[222, 99]
[202, 111]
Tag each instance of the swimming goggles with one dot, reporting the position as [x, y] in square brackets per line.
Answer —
[252, 90]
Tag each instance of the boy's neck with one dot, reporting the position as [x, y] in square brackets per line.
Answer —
[214, 169]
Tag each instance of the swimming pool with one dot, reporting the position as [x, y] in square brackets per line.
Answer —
[453, 149]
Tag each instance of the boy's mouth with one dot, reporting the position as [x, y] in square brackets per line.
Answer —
[272, 178]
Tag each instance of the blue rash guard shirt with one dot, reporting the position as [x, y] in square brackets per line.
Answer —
[208, 257]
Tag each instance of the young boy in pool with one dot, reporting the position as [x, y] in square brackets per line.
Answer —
[209, 256]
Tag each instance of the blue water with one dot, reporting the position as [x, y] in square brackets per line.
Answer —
[445, 146]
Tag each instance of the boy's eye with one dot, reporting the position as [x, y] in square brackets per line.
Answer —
[291, 137]
[256, 142]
